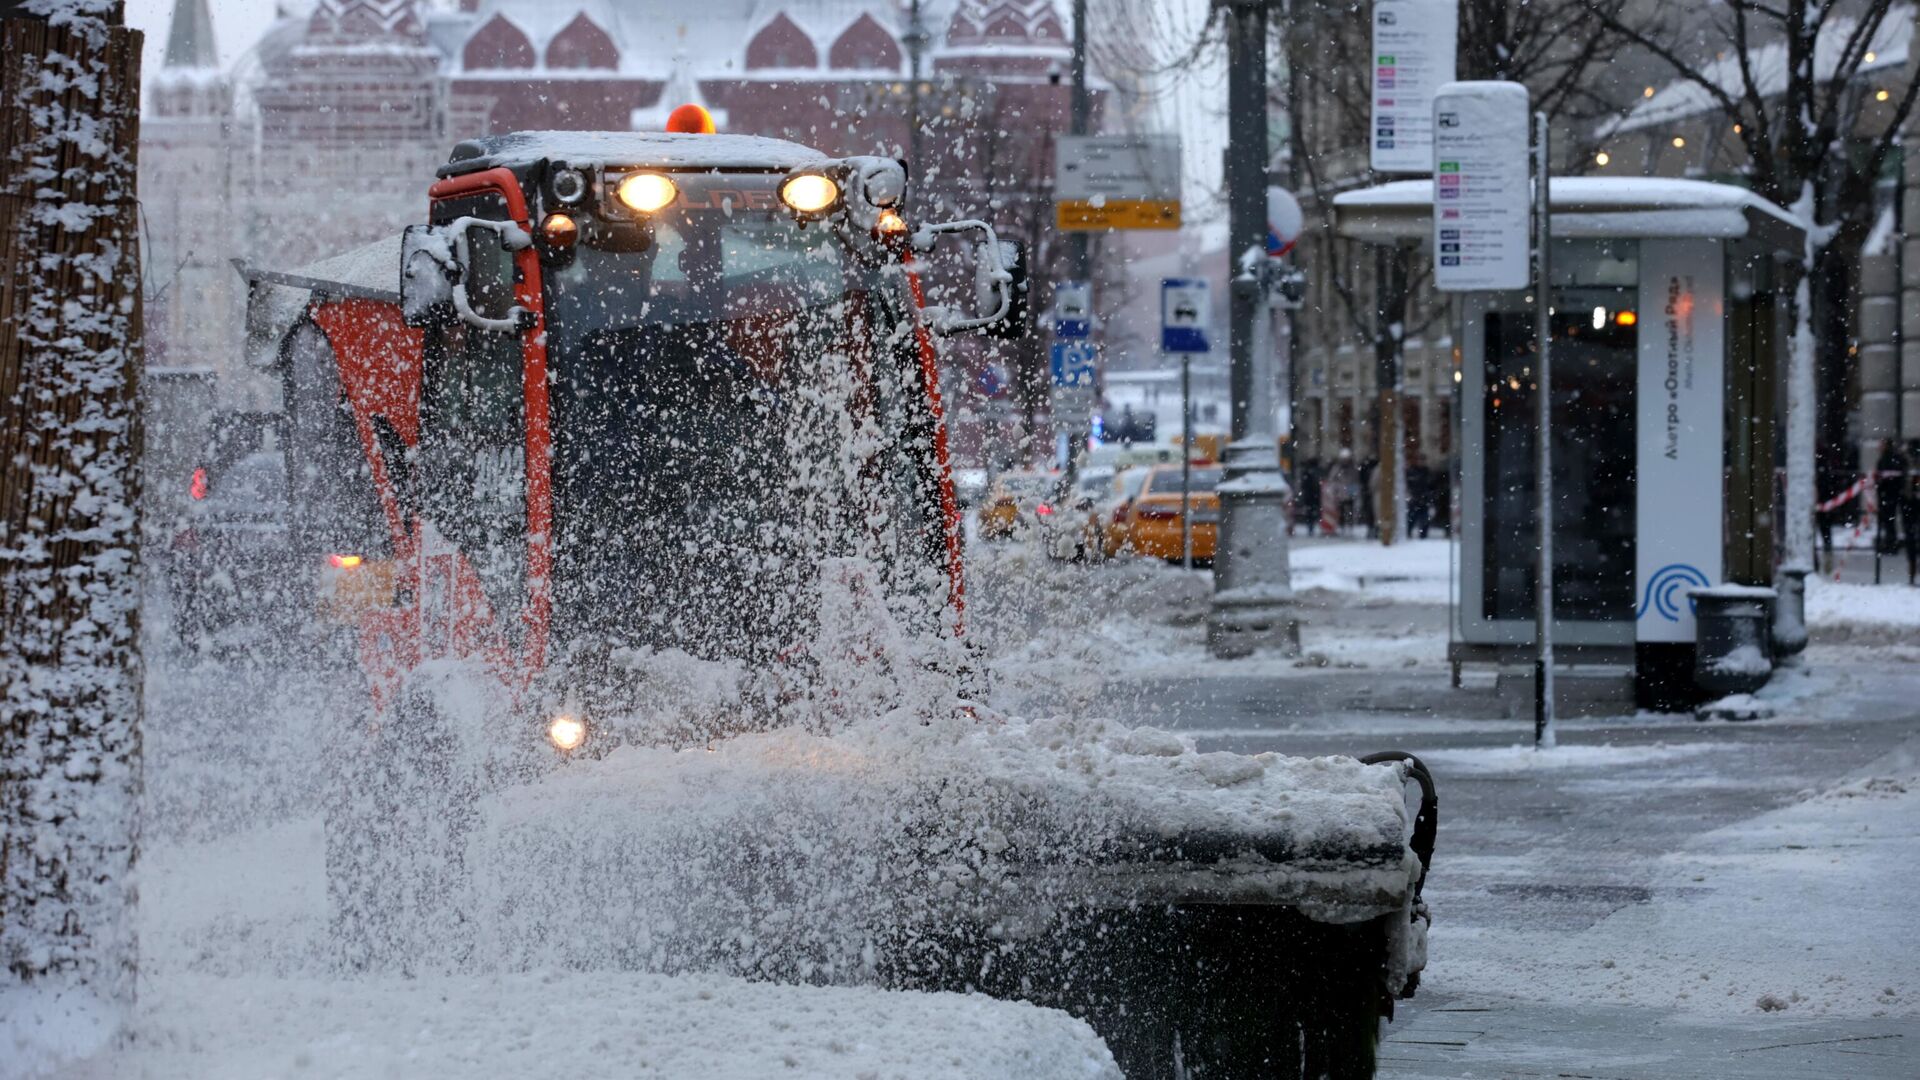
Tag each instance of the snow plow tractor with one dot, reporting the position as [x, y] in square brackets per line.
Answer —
[635, 421]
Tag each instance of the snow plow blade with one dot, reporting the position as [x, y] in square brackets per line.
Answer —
[1224, 955]
[1209, 914]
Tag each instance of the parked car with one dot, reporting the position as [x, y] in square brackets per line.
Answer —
[1016, 503]
[969, 487]
[1153, 518]
[234, 561]
[1074, 530]
[1115, 509]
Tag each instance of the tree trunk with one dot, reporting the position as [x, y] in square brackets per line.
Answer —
[1389, 344]
[70, 672]
[1800, 401]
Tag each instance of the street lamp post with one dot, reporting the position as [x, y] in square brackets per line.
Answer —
[1253, 593]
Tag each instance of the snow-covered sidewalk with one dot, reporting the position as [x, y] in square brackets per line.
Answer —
[522, 1027]
[1798, 911]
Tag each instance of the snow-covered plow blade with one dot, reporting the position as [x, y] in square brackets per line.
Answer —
[1209, 914]
[1222, 953]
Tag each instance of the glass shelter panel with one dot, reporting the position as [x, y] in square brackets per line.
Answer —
[1595, 340]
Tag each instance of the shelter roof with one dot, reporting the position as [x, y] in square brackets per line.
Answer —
[1625, 206]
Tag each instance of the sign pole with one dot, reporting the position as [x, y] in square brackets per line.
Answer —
[1543, 734]
[1186, 460]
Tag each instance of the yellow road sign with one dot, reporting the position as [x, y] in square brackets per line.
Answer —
[1082, 215]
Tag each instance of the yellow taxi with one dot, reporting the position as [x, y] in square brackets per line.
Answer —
[1149, 523]
[1015, 503]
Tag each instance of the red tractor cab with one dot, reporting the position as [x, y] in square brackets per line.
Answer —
[624, 391]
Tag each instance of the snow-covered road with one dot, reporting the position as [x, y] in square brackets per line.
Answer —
[1658, 897]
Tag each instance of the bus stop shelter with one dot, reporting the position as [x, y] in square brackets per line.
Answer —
[1668, 345]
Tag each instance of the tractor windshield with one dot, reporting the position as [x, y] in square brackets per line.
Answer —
[736, 401]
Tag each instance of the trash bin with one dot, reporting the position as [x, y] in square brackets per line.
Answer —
[1733, 644]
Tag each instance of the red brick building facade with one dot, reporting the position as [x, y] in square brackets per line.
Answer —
[327, 136]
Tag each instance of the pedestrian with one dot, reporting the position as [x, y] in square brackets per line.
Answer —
[1889, 491]
[1910, 511]
[1306, 499]
[1419, 497]
[1443, 495]
[1343, 484]
[1370, 496]
[1828, 483]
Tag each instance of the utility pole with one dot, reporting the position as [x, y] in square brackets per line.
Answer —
[1253, 593]
[916, 39]
[1079, 245]
[1543, 733]
[1080, 251]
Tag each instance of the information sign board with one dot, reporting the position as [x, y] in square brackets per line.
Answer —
[1073, 364]
[1413, 56]
[1186, 310]
[1481, 195]
[1117, 182]
[1072, 309]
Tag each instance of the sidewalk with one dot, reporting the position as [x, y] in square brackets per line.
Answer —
[1658, 897]
[1484, 1038]
[1774, 945]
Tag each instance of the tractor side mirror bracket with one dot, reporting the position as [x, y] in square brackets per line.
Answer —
[993, 282]
[435, 274]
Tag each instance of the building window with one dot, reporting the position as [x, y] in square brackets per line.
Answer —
[865, 46]
[781, 44]
[498, 44]
[582, 45]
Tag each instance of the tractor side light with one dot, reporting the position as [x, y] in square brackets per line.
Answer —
[566, 732]
[560, 232]
[569, 186]
[197, 486]
[647, 193]
[810, 194]
[344, 562]
[891, 224]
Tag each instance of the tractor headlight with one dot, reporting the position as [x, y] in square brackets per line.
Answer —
[645, 193]
[811, 194]
[566, 732]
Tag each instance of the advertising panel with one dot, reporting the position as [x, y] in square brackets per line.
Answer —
[1678, 497]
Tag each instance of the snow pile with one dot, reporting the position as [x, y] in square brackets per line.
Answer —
[1735, 707]
[1411, 571]
[1060, 633]
[1524, 758]
[43, 1028]
[791, 855]
[523, 1027]
[1841, 610]
[1747, 659]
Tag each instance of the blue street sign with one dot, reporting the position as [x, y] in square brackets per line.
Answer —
[1186, 309]
[1072, 309]
[1073, 363]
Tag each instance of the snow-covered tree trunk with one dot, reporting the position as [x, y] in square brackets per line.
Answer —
[1797, 547]
[1798, 540]
[70, 671]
